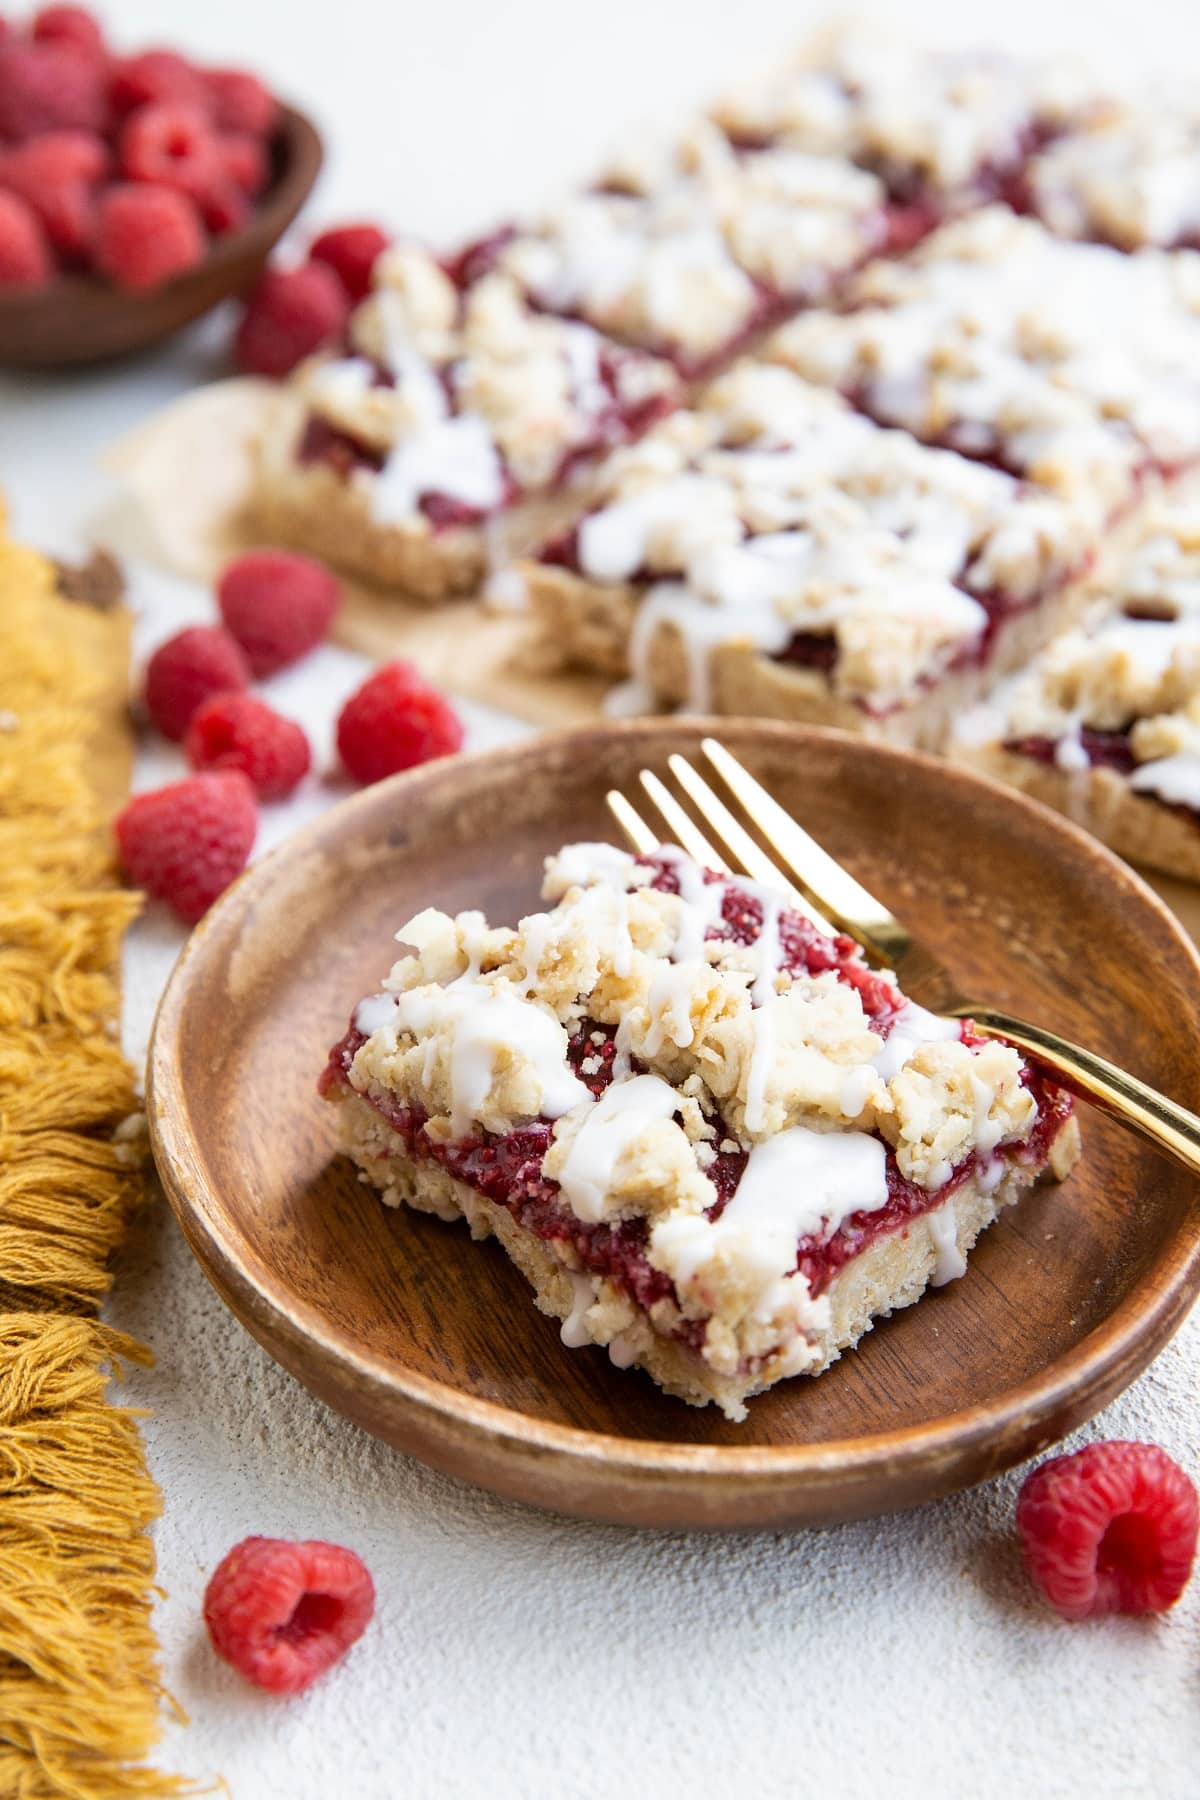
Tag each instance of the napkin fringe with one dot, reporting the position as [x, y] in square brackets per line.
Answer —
[80, 1695]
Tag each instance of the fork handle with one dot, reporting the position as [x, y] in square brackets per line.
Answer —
[1167, 1125]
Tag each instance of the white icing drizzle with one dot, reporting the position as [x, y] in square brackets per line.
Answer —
[912, 1027]
[373, 1013]
[1175, 779]
[800, 1183]
[456, 457]
[573, 1331]
[762, 1022]
[486, 1022]
[769, 948]
[949, 1261]
[617, 1119]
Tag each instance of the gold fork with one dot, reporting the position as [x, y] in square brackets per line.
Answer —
[834, 900]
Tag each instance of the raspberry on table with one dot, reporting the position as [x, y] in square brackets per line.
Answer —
[239, 101]
[278, 604]
[48, 87]
[189, 669]
[238, 731]
[393, 722]
[1111, 1528]
[73, 26]
[172, 144]
[154, 75]
[283, 1613]
[25, 259]
[290, 314]
[351, 251]
[184, 843]
[146, 234]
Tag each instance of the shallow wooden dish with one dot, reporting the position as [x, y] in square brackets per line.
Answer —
[81, 319]
[433, 1343]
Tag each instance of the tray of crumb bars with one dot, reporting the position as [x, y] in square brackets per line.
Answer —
[870, 398]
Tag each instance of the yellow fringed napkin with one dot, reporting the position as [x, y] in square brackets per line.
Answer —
[79, 1687]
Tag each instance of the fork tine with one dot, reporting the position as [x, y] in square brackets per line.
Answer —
[643, 839]
[752, 858]
[819, 876]
[687, 835]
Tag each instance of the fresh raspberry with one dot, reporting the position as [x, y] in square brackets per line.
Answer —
[189, 669]
[145, 235]
[25, 259]
[351, 251]
[55, 175]
[171, 144]
[224, 208]
[1110, 1529]
[72, 26]
[236, 731]
[239, 101]
[48, 87]
[184, 843]
[278, 605]
[290, 314]
[283, 1613]
[393, 722]
[244, 161]
[156, 75]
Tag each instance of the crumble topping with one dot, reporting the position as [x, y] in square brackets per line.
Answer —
[1128, 175]
[940, 123]
[461, 396]
[1072, 364]
[674, 249]
[1132, 673]
[776, 510]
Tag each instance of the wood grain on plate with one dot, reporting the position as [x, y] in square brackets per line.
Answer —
[433, 1343]
[81, 319]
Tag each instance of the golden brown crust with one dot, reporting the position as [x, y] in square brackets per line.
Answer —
[583, 624]
[1137, 826]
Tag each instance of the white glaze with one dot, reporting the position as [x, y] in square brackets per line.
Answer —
[373, 1013]
[612, 1124]
[573, 1331]
[456, 457]
[912, 1027]
[949, 1261]
[1175, 779]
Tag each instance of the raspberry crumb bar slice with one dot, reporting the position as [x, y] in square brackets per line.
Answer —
[1105, 724]
[456, 425]
[774, 553]
[712, 1138]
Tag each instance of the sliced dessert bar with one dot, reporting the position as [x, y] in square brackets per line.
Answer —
[454, 415]
[943, 131]
[1073, 365]
[774, 553]
[690, 248]
[708, 1133]
[1105, 725]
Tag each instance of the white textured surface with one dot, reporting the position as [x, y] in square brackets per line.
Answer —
[516, 1655]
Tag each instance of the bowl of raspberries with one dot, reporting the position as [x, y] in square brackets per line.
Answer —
[136, 191]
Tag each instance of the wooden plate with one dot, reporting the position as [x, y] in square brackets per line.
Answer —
[432, 1342]
[81, 319]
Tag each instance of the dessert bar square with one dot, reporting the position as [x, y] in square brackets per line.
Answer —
[453, 415]
[1072, 365]
[711, 1137]
[1105, 724]
[774, 553]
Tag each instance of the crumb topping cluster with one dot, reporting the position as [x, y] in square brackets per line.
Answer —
[1128, 175]
[726, 1044]
[949, 124]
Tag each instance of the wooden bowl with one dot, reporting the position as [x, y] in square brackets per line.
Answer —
[81, 319]
[432, 1342]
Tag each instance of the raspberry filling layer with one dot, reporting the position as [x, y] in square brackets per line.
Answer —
[614, 421]
[508, 1169]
